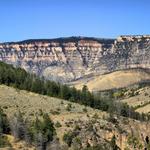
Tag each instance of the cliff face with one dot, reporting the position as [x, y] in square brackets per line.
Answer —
[67, 59]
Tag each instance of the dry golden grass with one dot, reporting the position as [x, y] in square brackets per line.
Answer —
[12, 100]
[141, 100]
[113, 80]
[145, 109]
[142, 97]
[29, 103]
[17, 145]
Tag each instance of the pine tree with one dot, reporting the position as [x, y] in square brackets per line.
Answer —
[43, 131]
[65, 92]
[4, 123]
[48, 127]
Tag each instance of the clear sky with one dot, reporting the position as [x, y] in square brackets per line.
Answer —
[29, 19]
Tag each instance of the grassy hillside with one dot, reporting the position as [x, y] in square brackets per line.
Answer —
[73, 119]
[33, 110]
[118, 79]
[20, 79]
[138, 98]
[31, 104]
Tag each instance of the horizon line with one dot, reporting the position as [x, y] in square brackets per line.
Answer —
[75, 37]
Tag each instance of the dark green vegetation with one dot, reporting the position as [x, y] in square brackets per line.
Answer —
[113, 143]
[65, 40]
[19, 78]
[38, 133]
[4, 124]
[4, 129]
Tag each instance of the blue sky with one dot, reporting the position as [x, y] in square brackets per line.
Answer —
[29, 19]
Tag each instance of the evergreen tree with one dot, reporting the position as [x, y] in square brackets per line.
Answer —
[43, 131]
[65, 92]
[20, 79]
[4, 123]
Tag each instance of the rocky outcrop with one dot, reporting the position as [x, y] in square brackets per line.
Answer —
[68, 59]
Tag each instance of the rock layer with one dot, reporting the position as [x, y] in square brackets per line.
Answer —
[68, 59]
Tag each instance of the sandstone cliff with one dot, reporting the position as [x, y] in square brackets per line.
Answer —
[68, 59]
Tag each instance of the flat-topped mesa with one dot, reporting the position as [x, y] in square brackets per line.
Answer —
[67, 59]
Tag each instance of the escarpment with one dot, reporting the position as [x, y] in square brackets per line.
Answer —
[68, 59]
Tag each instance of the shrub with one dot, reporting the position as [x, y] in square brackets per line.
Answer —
[85, 109]
[58, 125]
[4, 141]
[69, 136]
[69, 106]
[113, 143]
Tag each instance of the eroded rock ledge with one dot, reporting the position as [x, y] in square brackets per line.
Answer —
[67, 59]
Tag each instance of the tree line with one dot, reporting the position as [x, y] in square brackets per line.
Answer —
[19, 78]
